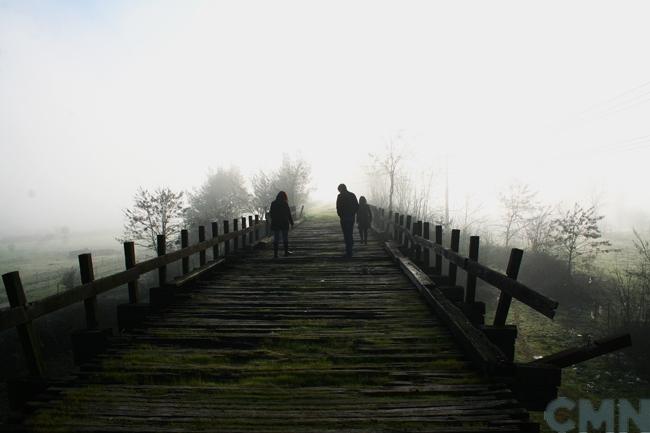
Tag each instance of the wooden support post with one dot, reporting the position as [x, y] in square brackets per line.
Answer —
[257, 230]
[409, 229]
[235, 228]
[87, 276]
[161, 248]
[226, 244]
[438, 269]
[185, 242]
[26, 332]
[504, 299]
[243, 236]
[395, 225]
[426, 256]
[418, 249]
[470, 293]
[129, 262]
[251, 235]
[201, 239]
[215, 234]
[455, 243]
[401, 233]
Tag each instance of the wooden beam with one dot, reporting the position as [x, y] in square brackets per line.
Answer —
[161, 249]
[88, 276]
[26, 332]
[185, 242]
[454, 245]
[575, 355]
[438, 269]
[215, 235]
[470, 292]
[505, 298]
[202, 254]
[130, 262]
[475, 344]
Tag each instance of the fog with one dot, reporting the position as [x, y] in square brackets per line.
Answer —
[99, 98]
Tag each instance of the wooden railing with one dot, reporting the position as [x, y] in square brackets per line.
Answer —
[490, 347]
[22, 313]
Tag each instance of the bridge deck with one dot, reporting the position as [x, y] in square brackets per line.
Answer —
[311, 343]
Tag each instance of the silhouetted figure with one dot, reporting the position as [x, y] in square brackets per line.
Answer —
[364, 219]
[346, 207]
[280, 221]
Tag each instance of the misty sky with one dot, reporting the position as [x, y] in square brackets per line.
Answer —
[100, 97]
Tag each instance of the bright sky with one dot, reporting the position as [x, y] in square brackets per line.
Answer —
[98, 98]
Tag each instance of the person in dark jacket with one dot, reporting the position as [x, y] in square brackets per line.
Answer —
[280, 221]
[364, 219]
[346, 208]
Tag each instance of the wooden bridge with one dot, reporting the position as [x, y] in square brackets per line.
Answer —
[307, 343]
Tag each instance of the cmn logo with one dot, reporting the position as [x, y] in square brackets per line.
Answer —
[604, 415]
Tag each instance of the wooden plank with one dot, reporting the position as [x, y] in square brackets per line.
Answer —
[26, 332]
[470, 292]
[575, 355]
[88, 276]
[517, 290]
[514, 262]
[482, 352]
[130, 262]
[196, 273]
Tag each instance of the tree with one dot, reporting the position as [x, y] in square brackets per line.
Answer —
[223, 196]
[539, 229]
[576, 233]
[517, 202]
[292, 177]
[153, 214]
[389, 164]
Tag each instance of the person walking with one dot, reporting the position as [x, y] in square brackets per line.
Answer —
[280, 221]
[346, 208]
[364, 219]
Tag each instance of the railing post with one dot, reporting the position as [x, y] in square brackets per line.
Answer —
[257, 230]
[267, 225]
[409, 228]
[505, 299]
[129, 262]
[243, 235]
[401, 232]
[161, 249]
[215, 234]
[395, 230]
[470, 293]
[427, 253]
[418, 249]
[87, 276]
[185, 242]
[438, 269]
[26, 332]
[202, 253]
[455, 243]
[226, 243]
[251, 235]
[235, 228]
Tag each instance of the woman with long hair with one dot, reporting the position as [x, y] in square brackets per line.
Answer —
[364, 219]
[280, 221]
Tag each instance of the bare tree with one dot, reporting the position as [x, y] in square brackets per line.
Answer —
[576, 233]
[517, 202]
[153, 213]
[388, 164]
[539, 229]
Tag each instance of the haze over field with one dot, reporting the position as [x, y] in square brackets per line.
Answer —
[99, 98]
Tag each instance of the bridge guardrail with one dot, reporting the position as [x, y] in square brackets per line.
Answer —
[20, 314]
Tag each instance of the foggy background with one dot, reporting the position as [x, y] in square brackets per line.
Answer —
[99, 98]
